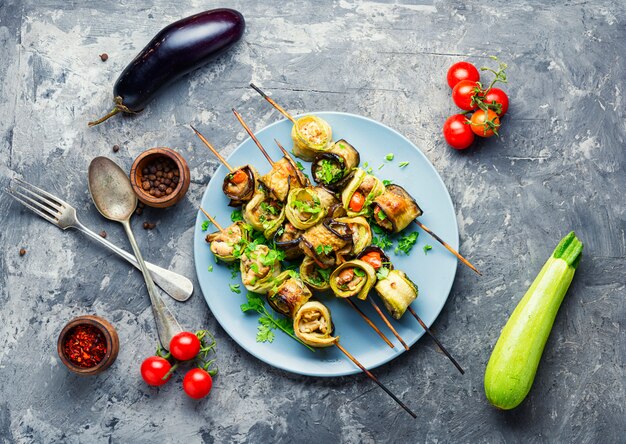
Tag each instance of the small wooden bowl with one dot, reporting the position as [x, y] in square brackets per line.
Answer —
[112, 341]
[137, 178]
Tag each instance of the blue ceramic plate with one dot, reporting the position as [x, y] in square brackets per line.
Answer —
[433, 272]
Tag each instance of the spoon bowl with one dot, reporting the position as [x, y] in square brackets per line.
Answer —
[111, 190]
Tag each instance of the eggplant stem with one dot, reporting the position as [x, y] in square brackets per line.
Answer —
[375, 379]
[113, 112]
[213, 221]
[439, 344]
[388, 324]
[251, 134]
[448, 247]
[370, 323]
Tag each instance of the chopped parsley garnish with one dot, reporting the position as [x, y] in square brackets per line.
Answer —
[324, 249]
[236, 215]
[427, 248]
[306, 207]
[370, 170]
[382, 273]
[234, 269]
[268, 322]
[405, 243]
[389, 157]
[268, 208]
[205, 225]
[300, 166]
[255, 267]
[358, 272]
[382, 239]
[386, 182]
[272, 257]
[403, 164]
[381, 166]
[328, 172]
[210, 268]
[235, 288]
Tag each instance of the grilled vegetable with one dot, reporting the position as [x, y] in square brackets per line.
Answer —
[397, 292]
[258, 269]
[513, 364]
[375, 256]
[287, 238]
[366, 187]
[283, 177]
[322, 240]
[314, 326]
[333, 166]
[304, 208]
[227, 245]
[313, 275]
[361, 233]
[353, 278]
[311, 135]
[176, 50]
[240, 185]
[288, 294]
[395, 209]
[264, 213]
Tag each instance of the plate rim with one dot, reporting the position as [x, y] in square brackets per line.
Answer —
[453, 242]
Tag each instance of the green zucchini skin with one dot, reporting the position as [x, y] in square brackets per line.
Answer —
[513, 364]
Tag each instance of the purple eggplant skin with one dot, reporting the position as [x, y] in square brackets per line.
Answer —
[176, 50]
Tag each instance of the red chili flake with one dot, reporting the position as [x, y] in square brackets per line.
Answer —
[85, 346]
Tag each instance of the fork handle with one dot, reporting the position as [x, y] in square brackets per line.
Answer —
[174, 284]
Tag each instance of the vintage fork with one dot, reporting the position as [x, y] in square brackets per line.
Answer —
[63, 215]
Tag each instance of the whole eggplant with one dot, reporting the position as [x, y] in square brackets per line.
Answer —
[176, 50]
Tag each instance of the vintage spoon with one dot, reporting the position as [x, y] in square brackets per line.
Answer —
[115, 199]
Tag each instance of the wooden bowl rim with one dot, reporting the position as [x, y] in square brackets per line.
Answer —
[181, 164]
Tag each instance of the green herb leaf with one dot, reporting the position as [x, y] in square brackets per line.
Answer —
[236, 215]
[382, 273]
[386, 182]
[358, 272]
[210, 268]
[427, 248]
[234, 269]
[324, 249]
[381, 166]
[264, 330]
[205, 225]
[405, 244]
[300, 166]
[389, 157]
[403, 164]
[234, 288]
[255, 303]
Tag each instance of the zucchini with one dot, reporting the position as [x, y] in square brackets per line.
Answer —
[513, 364]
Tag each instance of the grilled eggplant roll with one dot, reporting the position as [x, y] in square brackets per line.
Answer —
[322, 240]
[288, 294]
[257, 271]
[240, 185]
[287, 239]
[314, 326]
[226, 245]
[360, 192]
[353, 278]
[397, 292]
[311, 136]
[331, 167]
[264, 213]
[395, 209]
[313, 275]
[376, 257]
[283, 177]
[361, 233]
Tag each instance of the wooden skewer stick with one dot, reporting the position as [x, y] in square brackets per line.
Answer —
[285, 152]
[388, 324]
[448, 247]
[213, 221]
[217, 154]
[274, 104]
[375, 379]
[370, 323]
[439, 344]
[251, 134]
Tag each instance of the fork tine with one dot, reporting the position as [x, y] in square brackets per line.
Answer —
[51, 206]
[12, 192]
[61, 203]
[55, 214]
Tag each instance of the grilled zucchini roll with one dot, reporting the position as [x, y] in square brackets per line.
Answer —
[287, 239]
[322, 240]
[353, 278]
[361, 233]
[397, 292]
[313, 275]
[311, 135]
[283, 177]
[258, 270]
[314, 326]
[264, 213]
[331, 167]
[227, 245]
[360, 192]
[240, 185]
[304, 208]
[288, 294]
[395, 209]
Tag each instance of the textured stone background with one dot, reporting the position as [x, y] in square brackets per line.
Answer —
[559, 165]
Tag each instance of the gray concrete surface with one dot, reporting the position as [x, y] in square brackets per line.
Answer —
[559, 165]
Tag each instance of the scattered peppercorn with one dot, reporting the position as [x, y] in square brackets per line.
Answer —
[104, 57]
[85, 346]
[22, 251]
[139, 208]
[103, 234]
[148, 226]
[160, 178]
[116, 148]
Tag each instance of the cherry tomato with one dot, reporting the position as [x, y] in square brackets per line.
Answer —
[462, 94]
[479, 127]
[154, 369]
[457, 133]
[239, 177]
[462, 71]
[185, 346]
[498, 96]
[197, 383]
[356, 202]
[373, 258]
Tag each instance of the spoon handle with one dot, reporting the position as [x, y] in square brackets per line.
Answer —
[167, 325]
